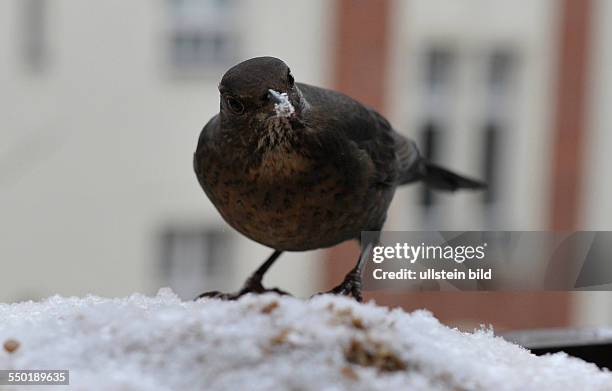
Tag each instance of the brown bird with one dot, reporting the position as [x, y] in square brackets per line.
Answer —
[297, 167]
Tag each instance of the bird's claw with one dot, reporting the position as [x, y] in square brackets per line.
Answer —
[219, 295]
[351, 287]
[251, 287]
[348, 289]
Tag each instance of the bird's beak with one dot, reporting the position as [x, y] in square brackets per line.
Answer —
[275, 96]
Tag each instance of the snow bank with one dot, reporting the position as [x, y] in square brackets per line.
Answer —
[270, 342]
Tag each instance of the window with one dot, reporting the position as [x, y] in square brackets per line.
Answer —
[437, 74]
[429, 144]
[438, 70]
[500, 73]
[499, 82]
[202, 35]
[501, 67]
[194, 260]
[489, 159]
[33, 34]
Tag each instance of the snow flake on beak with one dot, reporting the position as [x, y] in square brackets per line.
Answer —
[282, 104]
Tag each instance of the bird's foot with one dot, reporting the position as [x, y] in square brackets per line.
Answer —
[220, 295]
[251, 286]
[351, 286]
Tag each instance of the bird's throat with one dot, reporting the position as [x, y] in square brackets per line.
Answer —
[276, 133]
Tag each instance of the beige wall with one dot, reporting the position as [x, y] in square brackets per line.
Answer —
[98, 148]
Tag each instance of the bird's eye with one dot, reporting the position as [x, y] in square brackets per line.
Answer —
[234, 105]
[290, 79]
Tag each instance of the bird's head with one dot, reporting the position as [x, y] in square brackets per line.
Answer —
[260, 93]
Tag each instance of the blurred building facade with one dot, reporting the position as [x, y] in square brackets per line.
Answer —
[103, 103]
[502, 90]
[479, 97]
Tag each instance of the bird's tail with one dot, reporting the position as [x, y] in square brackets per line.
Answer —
[414, 167]
[440, 178]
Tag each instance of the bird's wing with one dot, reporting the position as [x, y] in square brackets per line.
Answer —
[204, 140]
[350, 120]
[409, 158]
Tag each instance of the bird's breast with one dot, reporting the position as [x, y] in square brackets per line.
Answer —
[288, 201]
[280, 165]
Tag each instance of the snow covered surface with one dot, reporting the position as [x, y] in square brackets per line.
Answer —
[267, 343]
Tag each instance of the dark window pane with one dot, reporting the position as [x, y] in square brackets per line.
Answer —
[490, 159]
[501, 67]
[430, 135]
[438, 68]
[34, 48]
